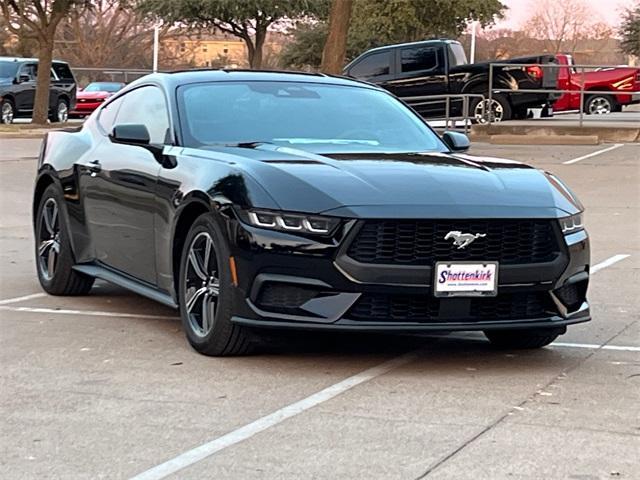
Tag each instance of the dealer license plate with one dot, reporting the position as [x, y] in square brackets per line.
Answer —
[466, 279]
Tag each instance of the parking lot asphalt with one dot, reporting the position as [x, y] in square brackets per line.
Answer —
[105, 386]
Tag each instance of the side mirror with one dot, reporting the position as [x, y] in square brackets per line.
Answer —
[23, 78]
[457, 142]
[130, 134]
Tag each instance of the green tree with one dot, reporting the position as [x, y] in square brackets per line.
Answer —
[38, 20]
[245, 19]
[630, 31]
[381, 22]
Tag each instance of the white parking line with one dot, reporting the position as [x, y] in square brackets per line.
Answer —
[91, 313]
[247, 431]
[593, 346]
[608, 262]
[593, 154]
[20, 299]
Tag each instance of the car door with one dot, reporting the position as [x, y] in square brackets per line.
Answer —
[118, 185]
[25, 91]
[421, 72]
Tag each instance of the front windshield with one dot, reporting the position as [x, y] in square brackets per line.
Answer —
[8, 69]
[309, 116]
[103, 87]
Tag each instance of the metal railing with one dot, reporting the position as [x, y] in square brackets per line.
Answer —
[91, 74]
[581, 91]
[420, 101]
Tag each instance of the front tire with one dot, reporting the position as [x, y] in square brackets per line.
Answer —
[520, 339]
[54, 258]
[7, 111]
[205, 293]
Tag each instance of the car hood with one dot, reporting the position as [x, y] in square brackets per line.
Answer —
[6, 80]
[436, 185]
[96, 94]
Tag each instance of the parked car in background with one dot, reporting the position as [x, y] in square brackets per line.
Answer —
[620, 79]
[439, 67]
[18, 89]
[92, 96]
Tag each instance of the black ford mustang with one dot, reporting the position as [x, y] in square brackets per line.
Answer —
[263, 199]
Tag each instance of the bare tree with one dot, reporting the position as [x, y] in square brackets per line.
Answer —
[335, 46]
[560, 24]
[112, 34]
[39, 20]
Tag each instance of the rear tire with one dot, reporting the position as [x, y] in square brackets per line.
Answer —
[54, 258]
[205, 293]
[599, 105]
[499, 109]
[61, 113]
[520, 339]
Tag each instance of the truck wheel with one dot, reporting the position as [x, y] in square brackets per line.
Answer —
[61, 113]
[497, 110]
[7, 111]
[599, 105]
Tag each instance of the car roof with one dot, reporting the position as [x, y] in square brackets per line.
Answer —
[24, 59]
[175, 79]
[411, 44]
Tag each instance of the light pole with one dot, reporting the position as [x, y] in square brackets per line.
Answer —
[472, 56]
[156, 40]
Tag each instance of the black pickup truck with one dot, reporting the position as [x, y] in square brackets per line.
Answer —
[440, 67]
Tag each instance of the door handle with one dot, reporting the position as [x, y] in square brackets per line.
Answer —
[94, 167]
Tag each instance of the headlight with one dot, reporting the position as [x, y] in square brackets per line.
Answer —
[572, 224]
[290, 222]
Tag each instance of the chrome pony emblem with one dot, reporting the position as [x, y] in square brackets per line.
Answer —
[462, 240]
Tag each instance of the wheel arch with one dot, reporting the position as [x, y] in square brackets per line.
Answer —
[44, 180]
[187, 215]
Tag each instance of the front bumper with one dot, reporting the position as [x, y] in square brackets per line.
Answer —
[286, 281]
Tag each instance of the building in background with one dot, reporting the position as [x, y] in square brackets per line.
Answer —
[219, 50]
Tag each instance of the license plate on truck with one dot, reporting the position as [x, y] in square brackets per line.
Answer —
[466, 279]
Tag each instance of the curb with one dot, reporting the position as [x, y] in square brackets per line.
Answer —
[554, 135]
[544, 139]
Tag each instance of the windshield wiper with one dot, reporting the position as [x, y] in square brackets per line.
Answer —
[254, 144]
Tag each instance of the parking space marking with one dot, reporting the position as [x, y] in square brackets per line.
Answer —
[608, 262]
[93, 313]
[247, 431]
[593, 346]
[593, 154]
[24, 297]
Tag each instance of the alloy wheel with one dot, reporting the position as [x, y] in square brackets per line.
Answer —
[7, 113]
[63, 112]
[202, 284]
[599, 106]
[492, 110]
[49, 239]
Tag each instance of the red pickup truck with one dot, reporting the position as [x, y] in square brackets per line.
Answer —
[619, 79]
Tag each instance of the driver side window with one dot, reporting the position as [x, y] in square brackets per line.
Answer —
[146, 106]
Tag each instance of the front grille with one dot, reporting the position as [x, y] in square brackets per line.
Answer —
[421, 242]
[425, 309]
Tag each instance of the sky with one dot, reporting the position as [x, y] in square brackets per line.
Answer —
[608, 11]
